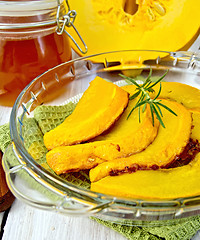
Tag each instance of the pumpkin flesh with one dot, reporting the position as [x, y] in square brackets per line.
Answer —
[182, 93]
[160, 184]
[100, 106]
[170, 141]
[108, 26]
[124, 138]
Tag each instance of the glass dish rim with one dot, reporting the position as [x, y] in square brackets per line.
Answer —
[58, 180]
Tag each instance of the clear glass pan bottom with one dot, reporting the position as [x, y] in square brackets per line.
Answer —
[33, 184]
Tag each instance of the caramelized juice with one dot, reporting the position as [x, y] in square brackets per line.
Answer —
[22, 59]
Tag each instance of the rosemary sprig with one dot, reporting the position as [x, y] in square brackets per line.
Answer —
[142, 91]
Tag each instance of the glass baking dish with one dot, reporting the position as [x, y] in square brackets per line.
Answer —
[32, 183]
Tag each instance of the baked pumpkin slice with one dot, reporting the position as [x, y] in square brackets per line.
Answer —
[124, 138]
[182, 93]
[160, 184]
[169, 143]
[100, 106]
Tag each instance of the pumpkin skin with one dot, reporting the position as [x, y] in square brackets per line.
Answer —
[126, 137]
[99, 107]
[169, 143]
[157, 25]
[160, 184]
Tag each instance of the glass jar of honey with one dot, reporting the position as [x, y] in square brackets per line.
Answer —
[31, 42]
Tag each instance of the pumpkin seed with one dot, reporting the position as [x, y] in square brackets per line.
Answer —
[159, 8]
[151, 14]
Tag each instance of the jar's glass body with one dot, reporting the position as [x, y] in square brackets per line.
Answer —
[29, 44]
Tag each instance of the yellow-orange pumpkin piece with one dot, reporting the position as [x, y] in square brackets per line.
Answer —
[160, 184]
[170, 141]
[126, 137]
[182, 93]
[99, 107]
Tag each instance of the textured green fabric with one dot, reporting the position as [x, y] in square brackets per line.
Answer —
[33, 140]
[4, 137]
[130, 232]
[47, 118]
[183, 230]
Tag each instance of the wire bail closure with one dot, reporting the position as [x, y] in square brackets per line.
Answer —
[68, 20]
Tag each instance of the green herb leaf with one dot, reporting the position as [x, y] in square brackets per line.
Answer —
[158, 92]
[157, 106]
[134, 95]
[169, 109]
[152, 114]
[148, 80]
[158, 115]
[130, 79]
[142, 92]
[159, 80]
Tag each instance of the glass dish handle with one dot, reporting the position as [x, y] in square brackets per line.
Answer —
[28, 186]
[190, 56]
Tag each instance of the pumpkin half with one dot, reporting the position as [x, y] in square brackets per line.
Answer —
[136, 24]
[160, 184]
[169, 143]
[99, 107]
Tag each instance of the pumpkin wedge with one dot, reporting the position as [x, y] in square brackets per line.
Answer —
[160, 184]
[100, 106]
[182, 93]
[125, 138]
[170, 142]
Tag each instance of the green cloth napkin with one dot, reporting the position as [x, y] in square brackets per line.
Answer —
[48, 117]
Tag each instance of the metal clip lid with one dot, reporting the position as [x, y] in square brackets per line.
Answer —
[68, 20]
